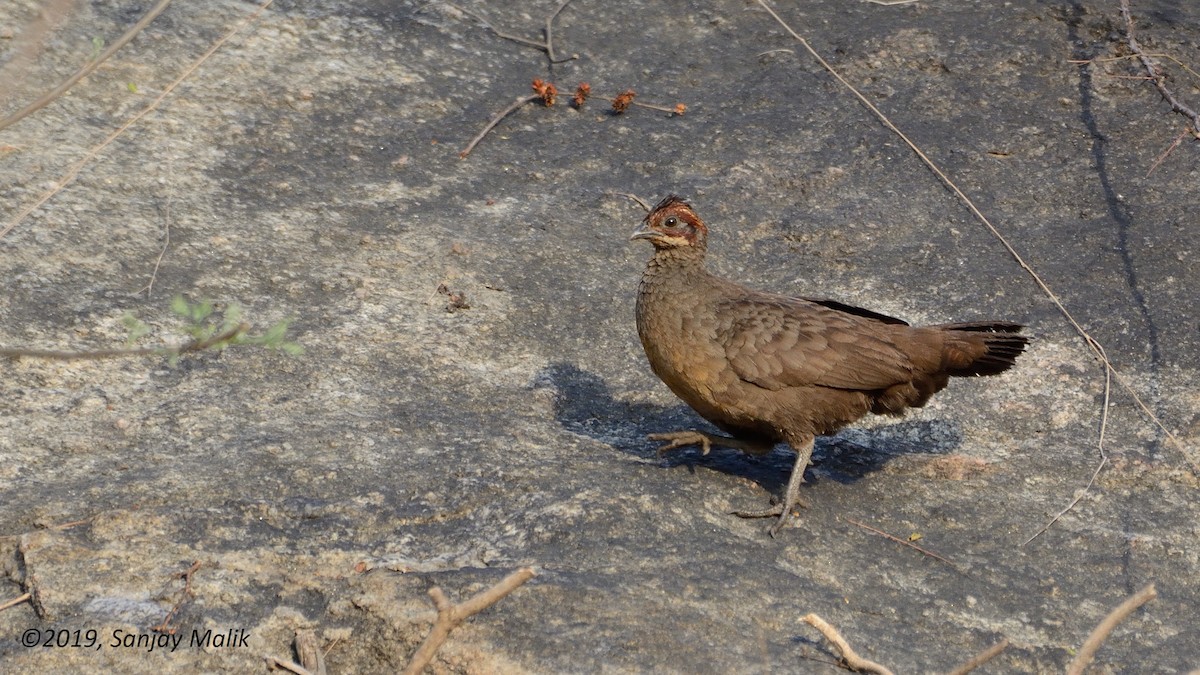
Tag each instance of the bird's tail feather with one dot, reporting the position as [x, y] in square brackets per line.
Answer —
[982, 348]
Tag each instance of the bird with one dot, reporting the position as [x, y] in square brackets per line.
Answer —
[767, 368]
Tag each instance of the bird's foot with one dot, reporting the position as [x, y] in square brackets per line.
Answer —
[777, 510]
[679, 439]
[791, 494]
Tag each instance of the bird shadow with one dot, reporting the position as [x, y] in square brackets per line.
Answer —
[585, 405]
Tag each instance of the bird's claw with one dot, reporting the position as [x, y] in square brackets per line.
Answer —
[679, 439]
[777, 510]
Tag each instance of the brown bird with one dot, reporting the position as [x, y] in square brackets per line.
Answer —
[769, 368]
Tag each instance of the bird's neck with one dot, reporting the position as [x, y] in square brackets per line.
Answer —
[686, 260]
[673, 273]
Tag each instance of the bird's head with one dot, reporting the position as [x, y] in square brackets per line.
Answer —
[672, 224]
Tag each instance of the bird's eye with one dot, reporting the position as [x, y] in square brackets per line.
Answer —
[671, 222]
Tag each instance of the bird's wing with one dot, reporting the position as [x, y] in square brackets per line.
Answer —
[777, 342]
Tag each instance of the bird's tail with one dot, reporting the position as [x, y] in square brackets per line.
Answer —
[981, 348]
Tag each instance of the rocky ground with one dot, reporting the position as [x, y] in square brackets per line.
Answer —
[472, 397]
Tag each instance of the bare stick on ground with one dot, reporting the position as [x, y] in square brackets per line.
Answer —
[281, 664]
[641, 202]
[170, 350]
[16, 601]
[898, 540]
[496, 120]
[29, 581]
[1100, 633]
[450, 616]
[166, 213]
[850, 659]
[308, 650]
[87, 68]
[73, 171]
[184, 595]
[1155, 74]
[981, 658]
[1170, 148]
[546, 46]
[1099, 446]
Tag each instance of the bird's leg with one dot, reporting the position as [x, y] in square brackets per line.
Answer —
[679, 439]
[791, 496]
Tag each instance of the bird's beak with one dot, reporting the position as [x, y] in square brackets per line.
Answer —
[643, 231]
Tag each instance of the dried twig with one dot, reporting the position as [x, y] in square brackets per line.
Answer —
[184, 595]
[1156, 75]
[169, 350]
[548, 34]
[16, 601]
[641, 202]
[1099, 446]
[496, 120]
[1170, 148]
[73, 171]
[450, 616]
[1012, 251]
[1100, 633]
[981, 658]
[166, 236]
[898, 540]
[282, 664]
[849, 658]
[29, 582]
[308, 650]
[83, 72]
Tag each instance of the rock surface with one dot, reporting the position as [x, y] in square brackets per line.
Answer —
[473, 398]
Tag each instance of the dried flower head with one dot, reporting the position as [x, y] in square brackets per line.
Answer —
[546, 90]
[680, 108]
[621, 103]
[582, 92]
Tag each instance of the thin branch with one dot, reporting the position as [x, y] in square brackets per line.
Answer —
[450, 616]
[73, 171]
[496, 120]
[1099, 446]
[1091, 342]
[184, 595]
[1170, 148]
[83, 72]
[166, 235]
[1153, 55]
[981, 658]
[641, 202]
[29, 582]
[1155, 74]
[850, 658]
[308, 650]
[550, 35]
[16, 601]
[1100, 633]
[546, 46]
[281, 664]
[486, 598]
[170, 350]
[898, 540]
